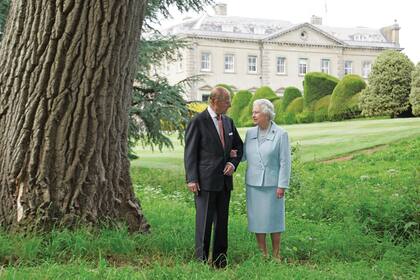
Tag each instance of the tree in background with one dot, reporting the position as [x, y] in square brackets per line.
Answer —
[388, 85]
[158, 107]
[415, 91]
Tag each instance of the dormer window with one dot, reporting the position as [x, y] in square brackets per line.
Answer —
[259, 30]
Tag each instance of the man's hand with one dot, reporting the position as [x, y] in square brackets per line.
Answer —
[229, 169]
[194, 187]
[279, 193]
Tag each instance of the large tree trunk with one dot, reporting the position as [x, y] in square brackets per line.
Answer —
[66, 75]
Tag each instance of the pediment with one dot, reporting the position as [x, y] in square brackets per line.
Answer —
[206, 88]
[304, 34]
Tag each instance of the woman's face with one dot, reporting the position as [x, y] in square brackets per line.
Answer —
[259, 117]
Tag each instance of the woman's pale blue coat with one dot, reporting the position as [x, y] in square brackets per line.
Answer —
[269, 164]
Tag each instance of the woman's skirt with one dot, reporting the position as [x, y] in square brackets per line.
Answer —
[265, 211]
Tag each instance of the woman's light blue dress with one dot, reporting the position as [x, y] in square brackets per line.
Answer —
[268, 168]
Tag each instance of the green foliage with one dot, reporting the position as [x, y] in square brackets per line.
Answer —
[262, 92]
[305, 117]
[4, 10]
[278, 108]
[345, 220]
[415, 91]
[239, 102]
[296, 106]
[157, 107]
[290, 93]
[289, 118]
[321, 115]
[340, 106]
[323, 103]
[388, 85]
[316, 86]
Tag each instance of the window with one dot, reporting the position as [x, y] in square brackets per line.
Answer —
[366, 68]
[303, 66]
[325, 66]
[205, 62]
[229, 63]
[252, 64]
[281, 65]
[348, 67]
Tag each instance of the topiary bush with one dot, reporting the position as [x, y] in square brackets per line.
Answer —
[305, 117]
[239, 102]
[262, 92]
[317, 85]
[296, 106]
[340, 106]
[415, 91]
[289, 118]
[290, 93]
[389, 85]
[278, 108]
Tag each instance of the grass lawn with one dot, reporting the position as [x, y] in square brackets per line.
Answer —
[357, 219]
[317, 141]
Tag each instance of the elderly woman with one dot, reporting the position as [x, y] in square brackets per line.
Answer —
[267, 151]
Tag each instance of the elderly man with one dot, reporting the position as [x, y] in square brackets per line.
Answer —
[209, 138]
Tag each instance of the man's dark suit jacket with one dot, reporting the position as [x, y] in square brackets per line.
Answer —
[204, 156]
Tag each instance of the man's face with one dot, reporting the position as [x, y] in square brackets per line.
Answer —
[222, 104]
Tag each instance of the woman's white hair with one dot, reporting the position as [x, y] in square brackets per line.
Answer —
[266, 107]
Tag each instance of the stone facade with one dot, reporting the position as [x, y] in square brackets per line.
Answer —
[249, 53]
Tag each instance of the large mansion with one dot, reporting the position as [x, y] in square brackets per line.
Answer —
[248, 53]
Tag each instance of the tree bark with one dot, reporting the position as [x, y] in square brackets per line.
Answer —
[66, 76]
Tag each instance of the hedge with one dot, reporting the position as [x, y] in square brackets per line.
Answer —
[239, 102]
[296, 106]
[317, 85]
[290, 93]
[340, 107]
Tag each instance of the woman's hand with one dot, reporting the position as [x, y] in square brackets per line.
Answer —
[280, 193]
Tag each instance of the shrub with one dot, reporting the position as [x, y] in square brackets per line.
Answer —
[296, 106]
[289, 118]
[317, 85]
[239, 102]
[323, 103]
[305, 117]
[415, 91]
[196, 107]
[388, 85]
[321, 115]
[278, 108]
[290, 93]
[340, 107]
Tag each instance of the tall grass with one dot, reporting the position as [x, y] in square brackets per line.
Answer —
[346, 220]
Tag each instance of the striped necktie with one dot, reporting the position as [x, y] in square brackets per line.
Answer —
[221, 132]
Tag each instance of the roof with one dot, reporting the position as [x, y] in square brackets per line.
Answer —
[228, 27]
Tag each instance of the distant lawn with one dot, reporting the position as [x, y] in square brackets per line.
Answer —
[317, 141]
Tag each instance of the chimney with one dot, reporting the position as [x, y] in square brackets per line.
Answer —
[220, 9]
[392, 33]
[316, 20]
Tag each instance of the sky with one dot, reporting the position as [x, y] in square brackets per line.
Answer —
[336, 13]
